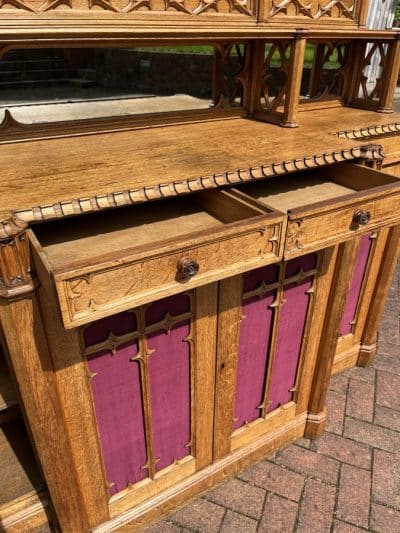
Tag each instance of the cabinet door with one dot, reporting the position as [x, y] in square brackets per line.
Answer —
[151, 369]
[265, 343]
[370, 255]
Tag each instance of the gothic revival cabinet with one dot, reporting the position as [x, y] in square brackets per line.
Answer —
[178, 281]
[180, 360]
[182, 391]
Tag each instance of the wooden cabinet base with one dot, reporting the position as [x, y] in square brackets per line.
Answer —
[366, 355]
[26, 514]
[205, 479]
[356, 356]
[315, 424]
[346, 360]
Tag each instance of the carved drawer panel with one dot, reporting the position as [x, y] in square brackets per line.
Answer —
[331, 205]
[106, 263]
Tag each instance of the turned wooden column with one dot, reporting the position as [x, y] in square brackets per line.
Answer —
[317, 414]
[292, 98]
[382, 286]
[363, 12]
[390, 77]
[317, 66]
[354, 71]
[25, 336]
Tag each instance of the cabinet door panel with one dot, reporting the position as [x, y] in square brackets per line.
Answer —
[169, 373]
[271, 341]
[257, 316]
[360, 299]
[360, 271]
[291, 328]
[144, 367]
[116, 383]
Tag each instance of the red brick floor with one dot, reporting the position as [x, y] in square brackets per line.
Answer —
[345, 482]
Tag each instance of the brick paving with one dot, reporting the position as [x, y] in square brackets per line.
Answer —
[347, 481]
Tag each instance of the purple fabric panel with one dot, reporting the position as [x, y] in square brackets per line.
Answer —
[169, 369]
[117, 398]
[356, 284]
[255, 332]
[290, 332]
[253, 279]
[175, 305]
[289, 340]
[118, 324]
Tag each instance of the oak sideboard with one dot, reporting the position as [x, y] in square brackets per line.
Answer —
[180, 279]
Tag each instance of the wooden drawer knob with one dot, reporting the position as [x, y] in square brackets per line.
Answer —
[188, 267]
[361, 218]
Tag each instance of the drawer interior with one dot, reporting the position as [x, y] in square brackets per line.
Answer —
[144, 226]
[306, 188]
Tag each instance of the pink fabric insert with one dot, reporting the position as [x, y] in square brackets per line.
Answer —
[117, 393]
[169, 368]
[117, 398]
[356, 284]
[290, 333]
[289, 340]
[255, 332]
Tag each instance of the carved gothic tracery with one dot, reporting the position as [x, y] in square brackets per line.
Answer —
[243, 7]
[344, 10]
[232, 75]
[371, 89]
[329, 70]
[313, 10]
[48, 5]
[274, 75]
[284, 6]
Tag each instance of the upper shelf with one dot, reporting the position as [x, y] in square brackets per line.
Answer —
[53, 178]
[178, 17]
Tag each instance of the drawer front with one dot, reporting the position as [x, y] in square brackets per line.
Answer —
[102, 291]
[313, 230]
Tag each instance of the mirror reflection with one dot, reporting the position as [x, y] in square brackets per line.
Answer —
[46, 85]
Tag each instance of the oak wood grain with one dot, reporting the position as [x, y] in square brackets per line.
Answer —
[53, 174]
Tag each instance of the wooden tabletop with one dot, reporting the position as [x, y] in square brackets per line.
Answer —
[36, 176]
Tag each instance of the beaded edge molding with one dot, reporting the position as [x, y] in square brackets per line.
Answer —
[128, 197]
[370, 131]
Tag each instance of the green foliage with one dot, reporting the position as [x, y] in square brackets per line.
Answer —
[398, 10]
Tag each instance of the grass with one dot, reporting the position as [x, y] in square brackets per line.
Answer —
[209, 50]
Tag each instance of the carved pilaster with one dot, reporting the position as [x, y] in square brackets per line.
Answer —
[16, 277]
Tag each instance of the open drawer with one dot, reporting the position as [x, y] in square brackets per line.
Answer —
[115, 260]
[329, 205]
